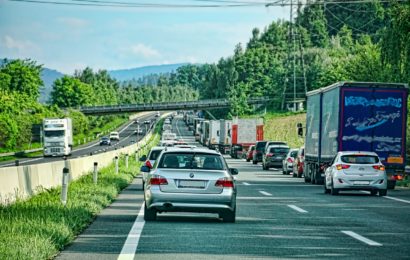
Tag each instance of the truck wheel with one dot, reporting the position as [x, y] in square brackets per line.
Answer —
[333, 190]
[149, 214]
[382, 193]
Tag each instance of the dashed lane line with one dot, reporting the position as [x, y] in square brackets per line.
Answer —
[361, 238]
[300, 210]
[265, 193]
[245, 183]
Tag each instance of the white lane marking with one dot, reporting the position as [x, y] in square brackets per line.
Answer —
[393, 198]
[361, 238]
[297, 209]
[130, 246]
[265, 193]
[245, 183]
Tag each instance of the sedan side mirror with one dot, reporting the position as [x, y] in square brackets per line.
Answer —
[145, 169]
[234, 171]
[143, 158]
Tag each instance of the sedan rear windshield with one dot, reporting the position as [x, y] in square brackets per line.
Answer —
[279, 150]
[360, 159]
[191, 161]
[260, 146]
[294, 154]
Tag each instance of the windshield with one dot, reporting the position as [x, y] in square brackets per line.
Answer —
[191, 161]
[54, 133]
[260, 146]
[279, 150]
[360, 159]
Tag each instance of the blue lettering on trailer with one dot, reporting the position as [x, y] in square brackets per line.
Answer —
[382, 102]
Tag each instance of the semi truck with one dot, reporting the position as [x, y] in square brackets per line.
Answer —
[245, 132]
[214, 134]
[58, 136]
[197, 128]
[225, 139]
[356, 116]
[204, 133]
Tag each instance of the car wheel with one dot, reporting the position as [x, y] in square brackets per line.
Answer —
[307, 180]
[325, 189]
[254, 162]
[382, 193]
[263, 167]
[228, 216]
[283, 171]
[333, 190]
[313, 179]
[293, 174]
[149, 214]
[373, 192]
[248, 160]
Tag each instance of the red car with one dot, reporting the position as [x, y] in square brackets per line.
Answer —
[249, 153]
[299, 163]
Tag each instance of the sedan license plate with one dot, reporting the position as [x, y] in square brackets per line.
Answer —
[191, 184]
[361, 183]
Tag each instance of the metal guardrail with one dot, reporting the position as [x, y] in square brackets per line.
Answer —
[199, 104]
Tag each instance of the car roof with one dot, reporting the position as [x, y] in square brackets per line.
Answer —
[193, 149]
[157, 148]
[114, 133]
[278, 145]
[358, 152]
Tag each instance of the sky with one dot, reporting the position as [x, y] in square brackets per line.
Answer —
[67, 37]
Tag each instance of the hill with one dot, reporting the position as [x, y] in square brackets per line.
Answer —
[48, 76]
[135, 73]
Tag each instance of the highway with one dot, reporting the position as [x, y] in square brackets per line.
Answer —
[278, 217]
[127, 137]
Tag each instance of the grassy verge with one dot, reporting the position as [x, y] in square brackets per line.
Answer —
[40, 227]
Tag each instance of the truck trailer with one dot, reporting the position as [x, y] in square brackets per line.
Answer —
[214, 133]
[356, 116]
[245, 132]
[225, 140]
[58, 137]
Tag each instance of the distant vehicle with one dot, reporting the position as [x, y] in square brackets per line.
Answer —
[158, 114]
[114, 136]
[167, 143]
[356, 171]
[167, 127]
[214, 133]
[185, 146]
[169, 136]
[57, 137]
[139, 131]
[356, 116]
[287, 163]
[246, 132]
[150, 160]
[249, 153]
[274, 156]
[186, 180]
[105, 141]
[225, 138]
[299, 163]
[147, 122]
[167, 121]
[257, 155]
[269, 143]
[136, 121]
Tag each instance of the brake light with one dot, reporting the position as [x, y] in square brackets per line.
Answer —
[148, 164]
[379, 167]
[290, 160]
[342, 167]
[224, 182]
[269, 155]
[159, 180]
[397, 177]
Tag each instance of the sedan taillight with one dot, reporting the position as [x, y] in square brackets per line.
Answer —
[224, 182]
[342, 167]
[379, 167]
[159, 180]
[269, 155]
[290, 160]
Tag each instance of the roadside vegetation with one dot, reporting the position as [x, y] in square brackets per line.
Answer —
[40, 227]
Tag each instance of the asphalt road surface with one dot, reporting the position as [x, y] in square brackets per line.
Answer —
[127, 137]
[278, 217]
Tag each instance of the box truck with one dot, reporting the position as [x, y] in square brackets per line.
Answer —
[225, 140]
[58, 136]
[356, 116]
[245, 132]
[214, 133]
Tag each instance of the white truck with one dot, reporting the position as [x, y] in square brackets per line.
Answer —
[204, 140]
[245, 132]
[225, 137]
[58, 136]
[214, 133]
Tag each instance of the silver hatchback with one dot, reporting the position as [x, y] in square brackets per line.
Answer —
[190, 180]
[356, 171]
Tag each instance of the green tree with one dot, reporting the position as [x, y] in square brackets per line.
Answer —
[71, 92]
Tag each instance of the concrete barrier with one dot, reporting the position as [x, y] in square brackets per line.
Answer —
[25, 181]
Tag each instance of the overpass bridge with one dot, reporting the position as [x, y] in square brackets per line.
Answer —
[184, 105]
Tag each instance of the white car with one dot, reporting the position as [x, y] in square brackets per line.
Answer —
[356, 171]
[114, 136]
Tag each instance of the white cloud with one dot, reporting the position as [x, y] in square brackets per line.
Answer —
[73, 22]
[145, 51]
[10, 43]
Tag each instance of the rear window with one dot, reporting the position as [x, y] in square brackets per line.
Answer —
[279, 150]
[294, 154]
[260, 145]
[277, 143]
[191, 161]
[154, 154]
[359, 159]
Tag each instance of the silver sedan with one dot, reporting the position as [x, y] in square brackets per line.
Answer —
[190, 180]
[356, 171]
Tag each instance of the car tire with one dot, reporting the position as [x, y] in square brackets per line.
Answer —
[307, 180]
[248, 160]
[263, 167]
[149, 214]
[228, 216]
[254, 162]
[382, 192]
[293, 174]
[283, 171]
[373, 192]
[333, 190]
[325, 189]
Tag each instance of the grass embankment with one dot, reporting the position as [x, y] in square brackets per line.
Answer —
[41, 226]
[283, 127]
